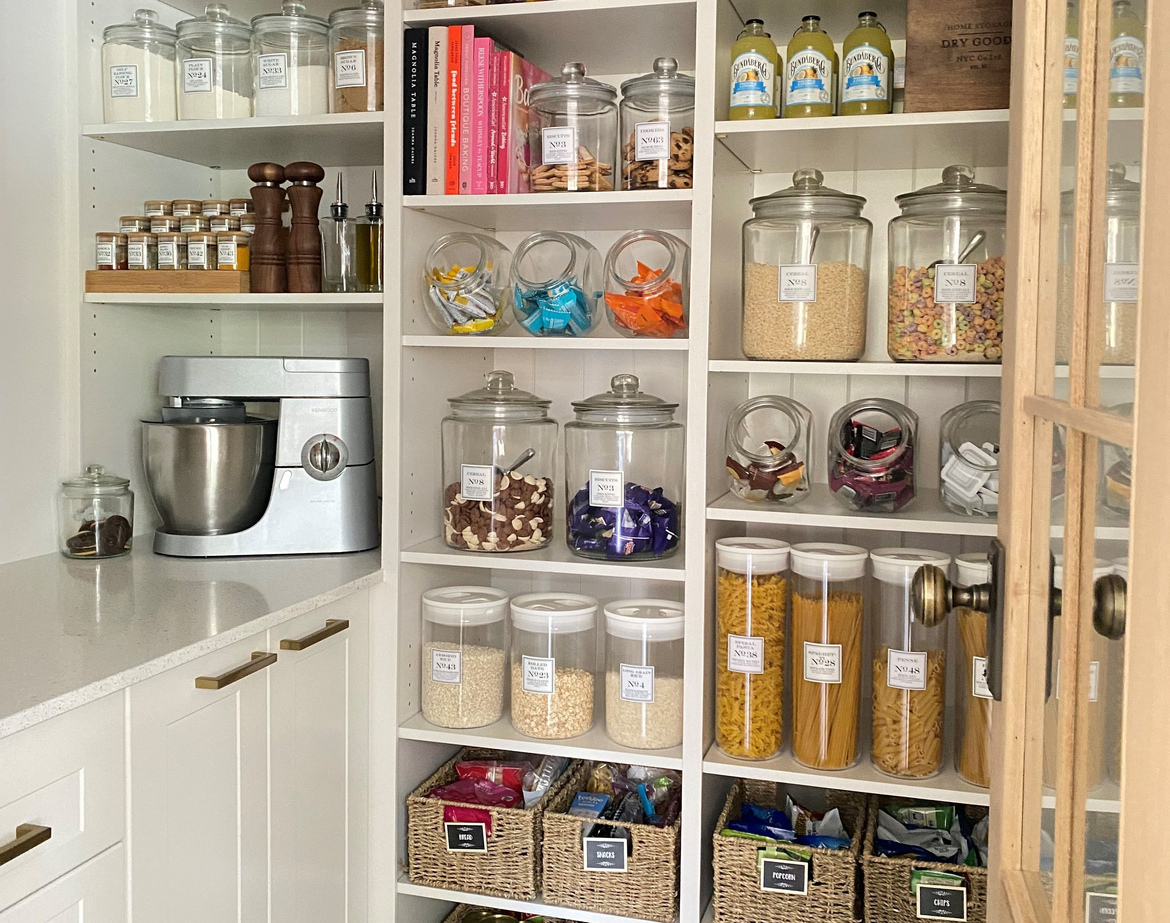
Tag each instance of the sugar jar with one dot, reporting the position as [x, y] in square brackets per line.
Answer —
[96, 515]
[465, 649]
[290, 62]
[465, 283]
[647, 280]
[658, 129]
[356, 50]
[644, 673]
[767, 442]
[556, 284]
[871, 455]
[215, 66]
[499, 461]
[969, 458]
[138, 70]
[572, 133]
[624, 474]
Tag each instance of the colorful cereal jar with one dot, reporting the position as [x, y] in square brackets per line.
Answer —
[556, 284]
[465, 278]
[647, 281]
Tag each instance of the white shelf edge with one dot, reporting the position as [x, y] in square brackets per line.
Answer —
[357, 300]
[179, 126]
[846, 122]
[504, 903]
[488, 14]
[511, 342]
[892, 369]
[549, 199]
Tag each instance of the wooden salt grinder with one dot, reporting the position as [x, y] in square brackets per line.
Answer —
[304, 240]
[269, 242]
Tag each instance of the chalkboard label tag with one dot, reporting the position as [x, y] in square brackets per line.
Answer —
[942, 902]
[605, 855]
[1100, 907]
[466, 837]
[784, 876]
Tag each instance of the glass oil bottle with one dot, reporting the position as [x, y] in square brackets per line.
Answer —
[340, 244]
[369, 233]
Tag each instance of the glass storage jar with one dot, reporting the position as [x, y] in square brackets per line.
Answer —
[828, 604]
[751, 609]
[151, 208]
[357, 52]
[201, 250]
[238, 207]
[128, 224]
[624, 474]
[768, 440]
[183, 208]
[947, 271]
[871, 455]
[969, 458]
[465, 649]
[141, 251]
[110, 250]
[172, 250]
[233, 251]
[658, 129]
[554, 649]
[162, 224]
[222, 223]
[644, 673]
[556, 284]
[909, 669]
[973, 698]
[1117, 469]
[96, 515]
[290, 62]
[215, 66]
[499, 460]
[806, 273]
[572, 133]
[465, 283]
[248, 223]
[213, 208]
[647, 284]
[138, 70]
[193, 224]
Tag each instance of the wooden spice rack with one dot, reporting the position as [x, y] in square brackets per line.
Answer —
[163, 281]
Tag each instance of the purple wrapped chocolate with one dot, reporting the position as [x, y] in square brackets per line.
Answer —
[646, 525]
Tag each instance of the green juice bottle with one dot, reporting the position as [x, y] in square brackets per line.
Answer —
[868, 69]
[1072, 55]
[808, 75]
[1127, 58]
[754, 63]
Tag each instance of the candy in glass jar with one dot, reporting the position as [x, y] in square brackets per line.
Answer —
[556, 284]
[871, 455]
[465, 277]
[767, 449]
[647, 280]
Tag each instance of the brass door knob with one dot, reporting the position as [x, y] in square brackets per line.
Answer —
[1109, 600]
[932, 595]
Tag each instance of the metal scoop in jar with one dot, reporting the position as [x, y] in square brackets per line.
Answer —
[976, 239]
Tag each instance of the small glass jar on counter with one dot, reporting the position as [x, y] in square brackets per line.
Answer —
[658, 129]
[213, 207]
[290, 62]
[556, 284]
[871, 455]
[128, 224]
[465, 651]
[238, 207]
[499, 461]
[193, 224]
[164, 224]
[172, 250]
[768, 440]
[111, 250]
[624, 470]
[644, 673]
[647, 279]
[356, 49]
[223, 223]
[141, 251]
[152, 208]
[554, 651]
[806, 273]
[96, 515]
[183, 208]
[465, 284]
[202, 252]
[572, 133]
[751, 609]
[215, 66]
[969, 458]
[138, 70]
[233, 251]
[973, 697]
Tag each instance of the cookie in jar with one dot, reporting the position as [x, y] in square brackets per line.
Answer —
[572, 133]
[657, 129]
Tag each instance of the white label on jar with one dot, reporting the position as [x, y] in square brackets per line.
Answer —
[238, 210]
[822, 663]
[899, 73]
[798, 283]
[979, 687]
[558, 145]
[1127, 65]
[196, 253]
[225, 253]
[476, 482]
[651, 140]
[136, 254]
[1121, 282]
[865, 75]
[606, 488]
[906, 669]
[167, 253]
[273, 71]
[954, 283]
[637, 683]
[105, 254]
[123, 80]
[153, 211]
[181, 211]
[128, 229]
[349, 68]
[539, 675]
[1072, 64]
[745, 654]
[197, 75]
[446, 667]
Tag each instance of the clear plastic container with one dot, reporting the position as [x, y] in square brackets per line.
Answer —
[96, 515]
[465, 284]
[215, 66]
[644, 673]
[141, 251]
[909, 670]
[972, 698]
[624, 463]
[110, 252]
[767, 441]
[138, 70]
[806, 273]
[499, 461]
[290, 62]
[554, 652]
[647, 284]
[751, 609]
[465, 651]
[871, 455]
[556, 284]
[357, 51]
[658, 129]
[969, 458]
[572, 133]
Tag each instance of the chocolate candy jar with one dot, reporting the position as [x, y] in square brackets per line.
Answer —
[871, 455]
[767, 449]
[95, 513]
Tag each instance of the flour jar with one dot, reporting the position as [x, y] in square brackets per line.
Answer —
[465, 649]
[644, 673]
[290, 62]
[215, 66]
[138, 70]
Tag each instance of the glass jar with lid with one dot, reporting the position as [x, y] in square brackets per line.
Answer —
[556, 284]
[248, 222]
[969, 458]
[356, 46]
[767, 441]
[233, 251]
[128, 224]
[111, 250]
[214, 207]
[202, 252]
[96, 515]
[141, 251]
[242, 206]
[947, 271]
[806, 273]
[153, 207]
[624, 472]
[163, 224]
[172, 250]
[138, 70]
[499, 461]
[973, 697]
[465, 649]
[644, 673]
[658, 129]
[572, 133]
[871, 455]
[215, 66]
[194, 224]
[647, 284]
[221, 224]
[465, 284]
[290, 62]
[183, 208]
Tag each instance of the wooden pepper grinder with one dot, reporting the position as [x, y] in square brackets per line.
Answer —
[304, 240]
[269, 242]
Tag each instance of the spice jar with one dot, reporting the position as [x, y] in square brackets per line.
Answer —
[556, 284]
[192, 224]
[290, 62]
[647, 284]
[215, 66]
[172, 250]
[213, 207]
[871, 455]
[238, 207]
[572, 133]
[183, 208]
[356, 48]
[465, 282]
[806, 273]
[141, 251]
[465, 646]
[222, 223]
[161, 224]
[138, 68]
[751, 606]
[154, 207]
[644, 673]
[947, 271]
[499, 460]
[658, 129]
[973, 698]
[96, 515]
[248, 223]
[768, 441]
[969, 458]
[202, 252]
[827, 606]
[128, 224]
[553, 661]
[624, 473]
[111, 250]
[233, 251]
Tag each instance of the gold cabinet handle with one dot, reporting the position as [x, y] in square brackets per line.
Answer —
[332, 627]
[28, 836]
[260, 660]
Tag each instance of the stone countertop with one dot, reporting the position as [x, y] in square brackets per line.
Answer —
[72, 631]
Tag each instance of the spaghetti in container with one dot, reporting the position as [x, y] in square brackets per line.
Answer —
[973, 711]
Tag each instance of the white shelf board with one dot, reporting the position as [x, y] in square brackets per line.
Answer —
[892, 369]
[531, 342]
[358, 301]
[669, 209]
[1104, 798]
[507, 904]
[336, 140]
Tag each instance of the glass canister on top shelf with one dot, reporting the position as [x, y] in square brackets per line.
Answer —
[556, 284]
[499, 456]
[624, 471]
[973, 697]
[138, 70]
[465, 283]
[290, 62]
[872, 455]
[465, 650]
[96, 515]
[357, 51]
[969, 458]
[644, 673]
[806, 273]
[647, 284]
[572, 133]
[215, 66]
[768, 440]
[658, 129]
[946, 290]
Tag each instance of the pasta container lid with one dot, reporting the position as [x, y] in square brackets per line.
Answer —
[1101, 568]
[645, 619]
[828, 560]
[899, 565]
[742, 555]
[465, 605]
[972, 568]
[554, 613]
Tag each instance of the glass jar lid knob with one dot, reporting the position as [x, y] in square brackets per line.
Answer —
[624, 385]
[573, 72]
[500, 381]
[292, 8]
[147, 18]
[666, 67]
[958, 175]
[216, 12]
[807, 178]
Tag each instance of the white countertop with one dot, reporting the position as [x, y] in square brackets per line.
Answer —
[73, 631]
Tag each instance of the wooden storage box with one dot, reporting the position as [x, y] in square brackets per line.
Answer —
[167, 281]
[958, 54]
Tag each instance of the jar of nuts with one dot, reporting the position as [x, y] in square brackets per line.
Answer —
[658, 129]
[572, 133]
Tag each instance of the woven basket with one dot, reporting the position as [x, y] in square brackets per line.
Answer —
[832, 888]
[511, 866]
[648, 889]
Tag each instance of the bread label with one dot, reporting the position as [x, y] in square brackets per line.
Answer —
[822, 663]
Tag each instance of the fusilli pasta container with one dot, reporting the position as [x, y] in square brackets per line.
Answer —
[750, 607]
[909, 670]
[973, 712]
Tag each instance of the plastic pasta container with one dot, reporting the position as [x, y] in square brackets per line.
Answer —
[751, 600]
[572, 133]
[972, 698]
[465, 284]
[768, 441]
[465, 649]
[644, 673]
[647, 284]
[556, 284]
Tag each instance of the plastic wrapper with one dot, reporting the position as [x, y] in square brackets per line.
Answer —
[502, 772]
[537, 782]
[646, 523]
[479, 791]
[933, 844]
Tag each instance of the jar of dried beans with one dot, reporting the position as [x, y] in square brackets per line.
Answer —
[767, 449]
[658, 129]
[572, 133]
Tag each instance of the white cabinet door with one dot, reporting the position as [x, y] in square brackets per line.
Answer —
[94, 893]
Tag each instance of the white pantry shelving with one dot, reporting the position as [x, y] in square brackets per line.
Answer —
[355, 301]
[562, 211]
